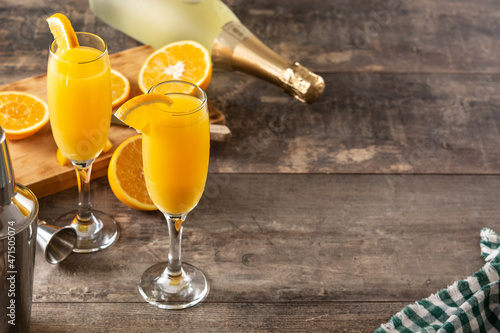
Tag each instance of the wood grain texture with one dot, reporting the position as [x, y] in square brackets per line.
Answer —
[212, 317]
[380, 36]
[301, 238]
[363, 123]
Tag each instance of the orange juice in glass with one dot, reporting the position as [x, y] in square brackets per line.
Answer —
[175, 153]
[176, 148]
[79, 99]
[78, 84]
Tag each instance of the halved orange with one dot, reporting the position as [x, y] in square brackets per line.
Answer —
[136, 112]
[62, 30]
[22, 114]
[63, 160]
[126, 175]
[183, 60]
[120, 88]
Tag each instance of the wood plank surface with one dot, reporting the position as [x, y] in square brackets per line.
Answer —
[380, 36]
[275, 238]
[213, 317]
[285, 253]
[364, 123]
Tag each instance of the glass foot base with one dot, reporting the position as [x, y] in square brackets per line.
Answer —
[91, 237]
[180, 293]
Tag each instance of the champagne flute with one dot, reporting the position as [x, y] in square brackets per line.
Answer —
[79, 98]
[175, 149]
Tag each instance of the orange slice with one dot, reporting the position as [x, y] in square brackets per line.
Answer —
[108, 146]
[126, 176]
[136, 112]
[22, 114]
[63, 160]
[184, 60]
[120, 88]
[63, 32]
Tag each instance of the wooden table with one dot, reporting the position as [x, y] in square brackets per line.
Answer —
[326, 217]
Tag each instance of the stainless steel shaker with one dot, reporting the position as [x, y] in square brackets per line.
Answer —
[18, 233]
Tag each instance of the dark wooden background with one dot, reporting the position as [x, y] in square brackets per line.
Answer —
[325, 217]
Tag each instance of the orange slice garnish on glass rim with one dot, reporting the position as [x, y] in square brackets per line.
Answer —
[137, 111]
[62, 30]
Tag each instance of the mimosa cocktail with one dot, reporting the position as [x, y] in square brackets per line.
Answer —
[173, 119]
[79, 95]
[79, 98]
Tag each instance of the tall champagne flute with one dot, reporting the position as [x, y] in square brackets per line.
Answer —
[79, 98]
[175, 149]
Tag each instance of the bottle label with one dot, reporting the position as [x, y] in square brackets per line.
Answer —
[233, 33]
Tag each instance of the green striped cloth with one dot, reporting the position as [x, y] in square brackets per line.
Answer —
[470, 305]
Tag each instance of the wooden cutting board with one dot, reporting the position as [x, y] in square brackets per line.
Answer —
[34, 158]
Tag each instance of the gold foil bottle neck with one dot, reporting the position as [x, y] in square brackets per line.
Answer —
[236, 48]
[302, 84]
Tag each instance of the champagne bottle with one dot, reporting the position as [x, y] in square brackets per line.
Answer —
[233, 47]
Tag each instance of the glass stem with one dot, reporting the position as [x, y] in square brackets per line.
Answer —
[174, 266]
[83, 170]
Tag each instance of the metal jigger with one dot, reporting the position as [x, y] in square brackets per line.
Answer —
[56, 243]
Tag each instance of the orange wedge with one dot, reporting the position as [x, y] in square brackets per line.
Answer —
[126, 176]
[63, 160]
[183, 60]
[136, 112]
[22, 114]
[108, 146]
[63, 32]
[120, 88]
